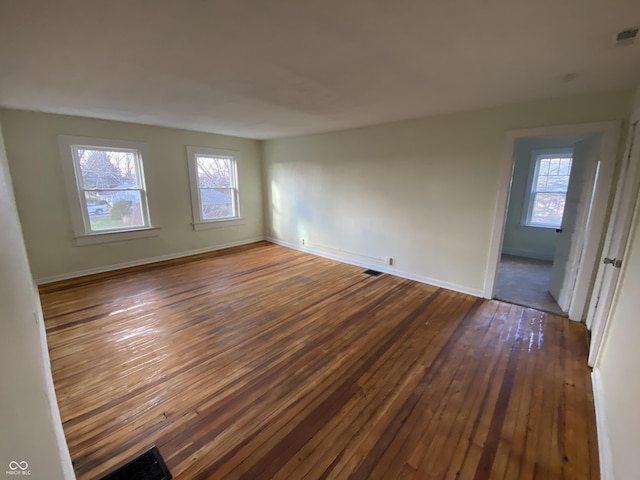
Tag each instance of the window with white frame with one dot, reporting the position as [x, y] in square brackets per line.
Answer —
[548, 190]
[214, 184]
[105, 183]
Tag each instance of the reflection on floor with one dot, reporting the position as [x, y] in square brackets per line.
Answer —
[525, 281]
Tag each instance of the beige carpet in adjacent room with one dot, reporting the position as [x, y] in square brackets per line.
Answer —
[525, 281]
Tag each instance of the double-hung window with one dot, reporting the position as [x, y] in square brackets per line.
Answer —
[548, 190]
[214, 186]
[106, 187]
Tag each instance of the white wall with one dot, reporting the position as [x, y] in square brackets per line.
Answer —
[620, 360]
[30, 428]
[423, 191]
[618, 367]
[636, 99]
[34, 159]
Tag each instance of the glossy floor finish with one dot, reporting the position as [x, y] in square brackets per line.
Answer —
[263, 362]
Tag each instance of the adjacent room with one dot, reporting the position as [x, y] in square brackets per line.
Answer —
[536, 214]
[334, 240]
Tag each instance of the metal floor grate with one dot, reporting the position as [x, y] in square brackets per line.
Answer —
[148, 466]
[373, 273]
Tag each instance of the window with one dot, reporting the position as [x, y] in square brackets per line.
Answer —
[548, 190]
[106, 188]
[214, 185]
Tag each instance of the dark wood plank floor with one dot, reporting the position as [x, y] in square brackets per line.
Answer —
[263, 362]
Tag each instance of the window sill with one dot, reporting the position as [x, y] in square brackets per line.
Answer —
[227, 222]
[106, 237]
[547, 227]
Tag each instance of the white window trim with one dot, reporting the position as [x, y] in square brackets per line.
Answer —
[528, 203]
[200, 223]
[79, 217]
[221, 223]
[117, 236]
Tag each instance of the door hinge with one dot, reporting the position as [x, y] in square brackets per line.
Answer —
[617, 263]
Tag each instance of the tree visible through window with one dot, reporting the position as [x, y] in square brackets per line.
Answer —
[111, 188]
[549, 191]
[214, 184]
[105, 186]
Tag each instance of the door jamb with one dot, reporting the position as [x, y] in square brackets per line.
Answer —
[610, 134]
[600, 331]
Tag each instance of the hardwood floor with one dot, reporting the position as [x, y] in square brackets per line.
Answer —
[263, 362]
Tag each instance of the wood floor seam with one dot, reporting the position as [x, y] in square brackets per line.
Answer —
[262, 362]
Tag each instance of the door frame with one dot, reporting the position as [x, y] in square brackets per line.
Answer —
[626, 208]
[610, 135]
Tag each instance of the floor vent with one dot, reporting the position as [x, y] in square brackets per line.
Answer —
[148, 466]
[373, 273]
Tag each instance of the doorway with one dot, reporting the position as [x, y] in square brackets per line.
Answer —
[551, 186]
[542, 258]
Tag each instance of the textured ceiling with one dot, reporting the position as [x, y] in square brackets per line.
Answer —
[271, 68]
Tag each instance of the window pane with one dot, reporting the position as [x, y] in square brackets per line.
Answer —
[107, 169]
[548, 209]
[558, 183]
[557, 177]
[114, 209]
[541, 183]
[544, 167]
[565, 166]
[216, 203]
[214, 172]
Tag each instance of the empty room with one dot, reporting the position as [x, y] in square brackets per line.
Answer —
[295, 240]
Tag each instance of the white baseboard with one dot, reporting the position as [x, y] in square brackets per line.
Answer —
[476, 292]
[527, 254]
[144, 261]
[604, 445]
[339, 258]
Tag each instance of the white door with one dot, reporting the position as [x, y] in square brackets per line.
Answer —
[615, 243]
[575, 220]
